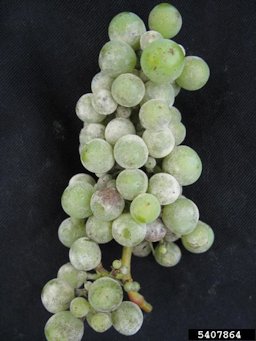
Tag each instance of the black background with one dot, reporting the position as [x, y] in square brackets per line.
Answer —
[48, 55]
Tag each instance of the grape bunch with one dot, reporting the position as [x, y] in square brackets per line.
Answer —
[132, 142]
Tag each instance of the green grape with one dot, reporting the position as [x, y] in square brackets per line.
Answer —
[128, 90]
[155, 231]
[79, 307]
[91, 131]
[131, 182]
[130, 151]
[179, 132]
[98, 230]
[162, 61]
[167, 254]
[195, 74]
[127, 27]
[117, 128]
[102, 181]
[105, 294]
[142, 250]
[97, 156]
[101, 81]
[127, 319]
[99, 322]
[82, 177]
[57, 295]
[183, 49]
[131, 286]
[116, 264]
[163, 92]
[171, 236]
[165, 187]
[128, 232]
[176, 88]
[145, 208]
[175, 115]
[166, 19]
[181, 217]
[155, 114]
[151, 163]
[200, 239]
[63, 326]
[111, 184]
[107, 204]
[184, 164]
[76, 198]
[86, 112]
[148, 38]
[70, 231]
[72, 276]
[103, 102]
[160, 143]
[123, 112]
[85, 254]
[117, 57]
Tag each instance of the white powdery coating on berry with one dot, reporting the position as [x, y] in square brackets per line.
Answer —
[75, 278]
[142, 250]
[107, 204]
[101, 81]
[128, 318]
[167, 254]
[159, 143]
[155, 231]
[117, 128]
[103, 102]
[148, 37]
[123, 112]
[83, 178]
[98, 230]
[85, 254]
[85, 110]
[91, 131]
[68, 231]
[163, 92]
[171, 236]
[165, 187]
[64, 326]
[57, 295]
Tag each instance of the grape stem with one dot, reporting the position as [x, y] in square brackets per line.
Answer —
[134, 296]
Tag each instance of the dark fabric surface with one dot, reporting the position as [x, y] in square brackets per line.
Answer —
[48, 55]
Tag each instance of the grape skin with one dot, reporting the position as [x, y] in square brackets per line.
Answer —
[57, 295]
[63, 326]
[97, 156]
[145, 208]
[128, 90]
[179, 131]
[69, 231]
[155, 115]
[72, 276]
[181, 216]
[123, 112]
[103, 102]
[165, 19]
[105, 294]
[131, 182]
[200, 239]
[175, 115]
[83, 178]
[91, 131]
[85, 254]
[127, 27]
[165, 187]
[101, 81]
[148, 38]
[167, 254]
[117, 128]
[127, 319]
[162, 61]
[163, 92]
[160, 143]
[117, 57]
[127, 232]
[85, 110]
[99, 322]
[142, 250]
[155, 231]
[79, 307]
[107, 204]
[76, 198]
[130, 151]
[184, 164]
[98, 230]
